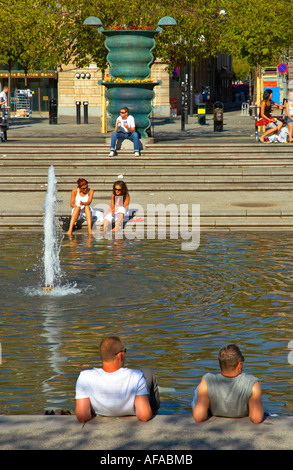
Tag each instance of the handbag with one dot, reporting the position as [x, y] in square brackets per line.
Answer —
[262, 122]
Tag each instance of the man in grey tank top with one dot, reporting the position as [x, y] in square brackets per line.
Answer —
[230, 394]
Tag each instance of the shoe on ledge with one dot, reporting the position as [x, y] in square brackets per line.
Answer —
[112, 153]
[136, 154]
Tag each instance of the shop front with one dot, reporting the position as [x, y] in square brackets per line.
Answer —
[33, 90]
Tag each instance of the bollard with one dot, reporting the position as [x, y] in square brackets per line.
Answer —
[218, 116]
[85, 112]
[78, 103]
[53, 111]
[245, 109]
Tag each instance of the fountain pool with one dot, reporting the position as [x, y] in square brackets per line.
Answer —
[174, 310]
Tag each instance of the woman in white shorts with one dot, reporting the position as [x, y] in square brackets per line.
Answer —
[81, 198]
[118, 211]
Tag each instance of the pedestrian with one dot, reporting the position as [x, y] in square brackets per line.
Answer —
[231, 393]
[125, 129]
[289, 111]
[81, 198]
[273, 125]
[119, 206]
[197, 100]
[115, 390]
[3, 97]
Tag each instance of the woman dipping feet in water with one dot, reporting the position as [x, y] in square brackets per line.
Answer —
[119, 206]
[81, 198]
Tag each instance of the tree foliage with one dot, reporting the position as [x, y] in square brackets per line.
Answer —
[258, 30]
[45, 33]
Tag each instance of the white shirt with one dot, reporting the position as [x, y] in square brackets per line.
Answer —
[129, 121]
[197, 98]
[3, 98]
[111, 394]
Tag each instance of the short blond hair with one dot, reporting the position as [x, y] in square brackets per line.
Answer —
[109, 348]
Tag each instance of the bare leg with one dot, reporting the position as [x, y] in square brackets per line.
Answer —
[73, 219]
[88, 217]
[275, 130]
[290, 125]
[105, 225]
[119, 220]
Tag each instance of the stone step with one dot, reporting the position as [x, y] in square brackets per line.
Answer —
[171, 149]
[166, 187]
[259, 222]
[68, 174]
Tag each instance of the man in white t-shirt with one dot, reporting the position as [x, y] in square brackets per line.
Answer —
[125, 129]
[115, 390]
[3, 97]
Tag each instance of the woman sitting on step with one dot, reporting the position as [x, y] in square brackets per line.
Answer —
[119, 206]
[81, 198]
[273, 125]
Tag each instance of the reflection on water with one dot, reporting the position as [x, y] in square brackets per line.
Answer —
[174, 310]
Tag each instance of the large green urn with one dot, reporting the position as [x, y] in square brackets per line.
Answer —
[130, 57]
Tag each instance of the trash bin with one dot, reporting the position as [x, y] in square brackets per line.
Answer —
[218, 116]
[53, 111]
[201, 114]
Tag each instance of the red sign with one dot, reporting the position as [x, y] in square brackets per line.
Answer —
[282, 68]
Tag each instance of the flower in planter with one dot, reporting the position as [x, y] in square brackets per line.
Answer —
[134, 80]
[138, 27]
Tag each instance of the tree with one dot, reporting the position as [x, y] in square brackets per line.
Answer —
[258, 30]
[31, 35]
[198, 29]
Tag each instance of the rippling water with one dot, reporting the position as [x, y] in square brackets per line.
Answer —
[173, 309]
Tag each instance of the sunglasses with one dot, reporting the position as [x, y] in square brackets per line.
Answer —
[122, 350]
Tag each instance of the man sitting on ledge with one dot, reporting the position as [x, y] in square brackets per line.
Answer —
[230, 394]
[115, 390]
[125, 129]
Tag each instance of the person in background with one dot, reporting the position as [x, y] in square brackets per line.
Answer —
[115, 390]
[197, 100]
[3, 97]
[273, 126]
[231, 393]
[81, 198]
[289, 112]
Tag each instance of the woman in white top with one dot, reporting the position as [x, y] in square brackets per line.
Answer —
[289, 111]
[119, 206]
[81, 198]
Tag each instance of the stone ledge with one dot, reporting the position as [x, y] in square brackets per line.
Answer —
[163, 432]
[127, 144]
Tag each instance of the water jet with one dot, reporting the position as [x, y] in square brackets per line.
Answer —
[51, 249]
